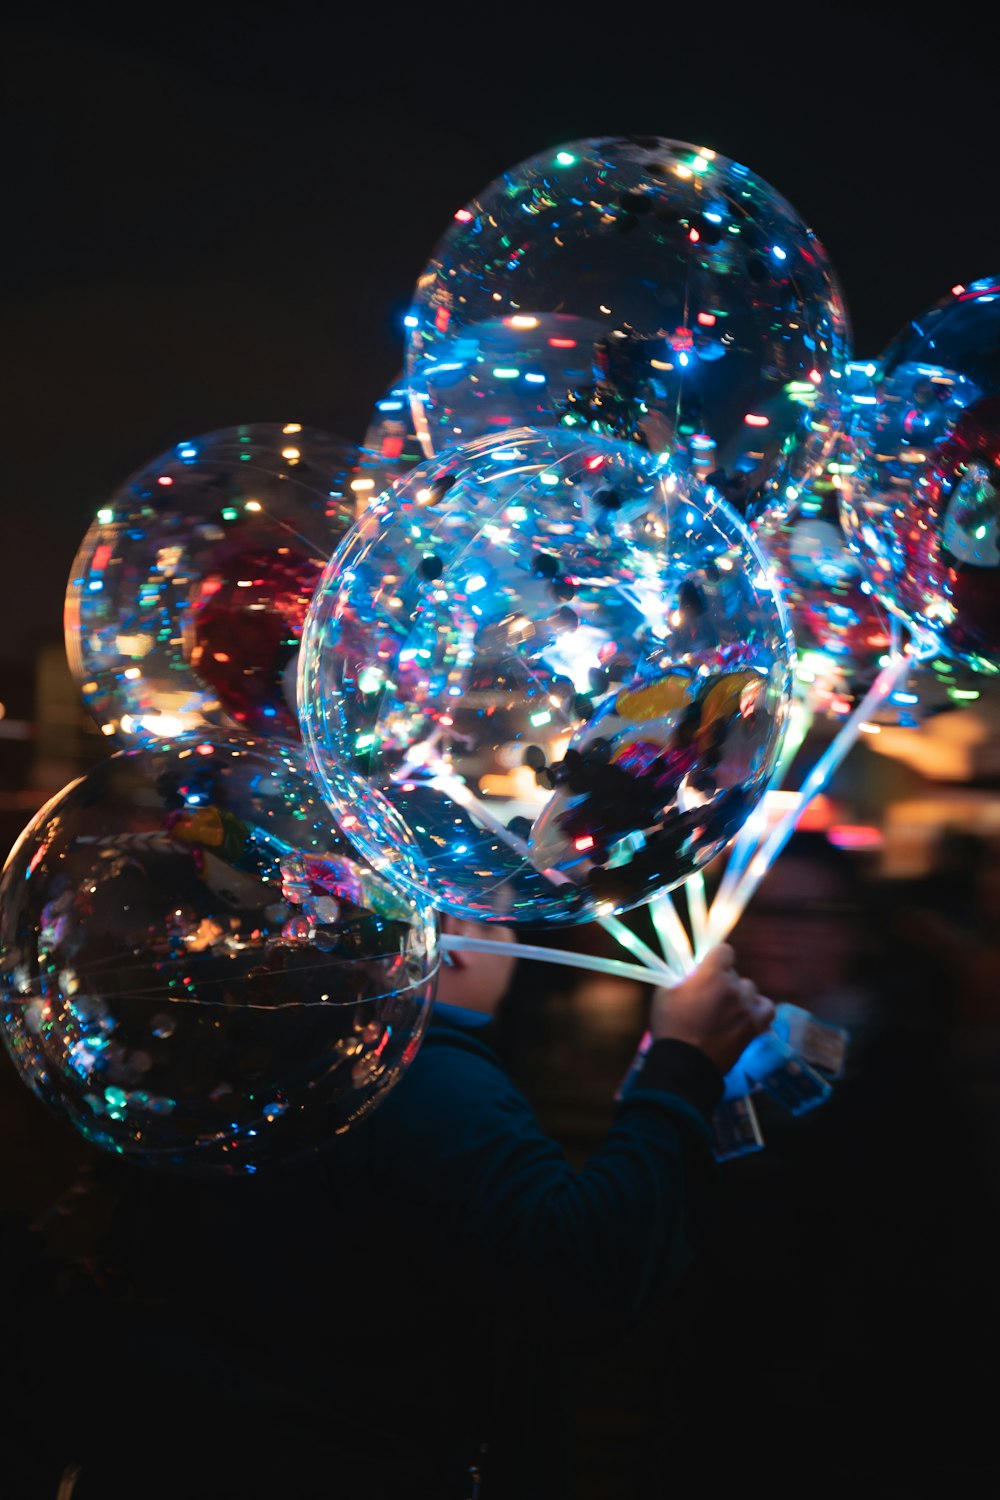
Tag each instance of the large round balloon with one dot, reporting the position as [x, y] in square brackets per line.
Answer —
[187, 596]
[196, 970]
[646, 289]
[551, 671]
[921, 505]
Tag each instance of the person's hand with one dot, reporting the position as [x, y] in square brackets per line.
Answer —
[713, 1009]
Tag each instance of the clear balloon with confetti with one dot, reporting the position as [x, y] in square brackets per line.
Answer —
[922, 505]
[391, 446]
[842, 632]
[549, 669]
[187, 596]
[196, 970]
[643, 288]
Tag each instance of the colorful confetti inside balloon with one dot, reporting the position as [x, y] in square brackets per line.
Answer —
[391, 447]
[921, 507]
[187, 596]
[642, 288]
[552, 671]
[841, 631]
[196, 970]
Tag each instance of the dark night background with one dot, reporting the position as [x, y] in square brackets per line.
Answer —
[217, 215]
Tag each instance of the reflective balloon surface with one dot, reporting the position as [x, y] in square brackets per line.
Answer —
[391, 447]
[922, 505]
[549, 669]
[841, 631]
[187, 596]
[646, 288]
[196, 969]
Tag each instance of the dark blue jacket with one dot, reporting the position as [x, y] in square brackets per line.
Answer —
[361, 1322]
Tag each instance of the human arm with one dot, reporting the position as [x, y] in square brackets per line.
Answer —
[460, 1144]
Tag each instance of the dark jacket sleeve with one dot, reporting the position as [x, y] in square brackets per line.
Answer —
[608, 1240]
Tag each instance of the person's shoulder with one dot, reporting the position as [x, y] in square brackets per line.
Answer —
[453, 1108]
[457, 1038]
[456, 1054]
[455, 1021]
[453, 1083]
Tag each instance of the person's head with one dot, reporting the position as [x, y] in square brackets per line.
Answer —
[799, 936]
[476, 981]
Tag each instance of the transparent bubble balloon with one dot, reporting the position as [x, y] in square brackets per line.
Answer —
[196, 970]
[187, 596]
[391, 447]
[842, 633]
[549, 670]
[642, 288]
[922, 503]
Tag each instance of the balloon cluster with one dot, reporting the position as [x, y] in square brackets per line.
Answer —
[528, 654]
[197, 969]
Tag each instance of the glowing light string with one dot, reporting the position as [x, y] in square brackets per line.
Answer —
[457, 943]
[725, 914]
[748, 840]
[452, 786]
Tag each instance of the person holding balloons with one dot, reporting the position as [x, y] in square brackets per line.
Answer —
[393, 1312]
